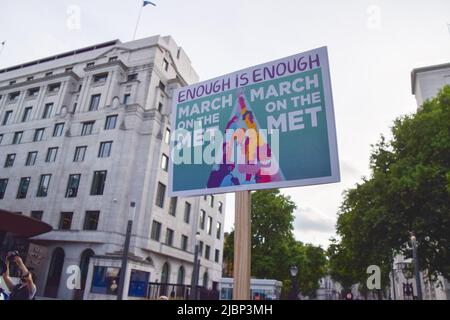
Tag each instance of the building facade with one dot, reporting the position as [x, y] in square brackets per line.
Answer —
[329, 289]
[427, 81]
[85, 134]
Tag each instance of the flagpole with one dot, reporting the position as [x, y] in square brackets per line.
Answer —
[2, 46]
[137, 22]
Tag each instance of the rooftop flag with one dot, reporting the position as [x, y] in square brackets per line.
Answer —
[144, 3]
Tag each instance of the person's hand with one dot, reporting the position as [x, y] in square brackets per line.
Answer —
[18, 260]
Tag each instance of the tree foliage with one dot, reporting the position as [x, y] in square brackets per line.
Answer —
[274, 248]
[408, 191]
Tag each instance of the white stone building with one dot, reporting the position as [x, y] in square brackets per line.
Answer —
[427, 81]
[329, 289]
[82, 135]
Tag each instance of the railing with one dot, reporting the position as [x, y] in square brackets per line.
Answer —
[178, 292]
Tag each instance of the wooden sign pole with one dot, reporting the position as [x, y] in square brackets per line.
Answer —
[242, 246]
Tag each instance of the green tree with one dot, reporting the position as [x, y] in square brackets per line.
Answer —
[274, 248]
[408, 191]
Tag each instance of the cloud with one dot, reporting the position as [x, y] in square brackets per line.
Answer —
[309, 219]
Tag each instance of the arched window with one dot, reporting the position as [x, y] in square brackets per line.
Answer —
[180, 277]
[165, 274]
[86, 255]
[84, 265]
[54, 273]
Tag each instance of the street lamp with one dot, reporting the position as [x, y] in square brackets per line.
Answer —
[196, 269]
[293, 270]
[416, 266]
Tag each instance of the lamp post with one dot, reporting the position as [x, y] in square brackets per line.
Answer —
[293, 272]
[126, 249]
[416, 266]
[196, 269]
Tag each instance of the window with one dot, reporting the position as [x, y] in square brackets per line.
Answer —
[3, 185]
[9, 162]
[23, 188]
[156, 230]
[65, 222]
[111, 59]
[187, 212]
[30, 78]
[220, 205]
[13, 96]
[69, 69]
[164, 162]
[87, 127]
[44, 183]
[160, 106]
[33, 92]
[58, 129]
[105, 149]
[218, 230]
[17, 137]
[31, 158]
[169, 237]
[110, 122]
[207, 252]
[167, 136]
[217, 256]
[37, 215]
[47, 111]
[209, 225]
[160, 193]
[101, 77]
[132, 77]
[1, 138]
[184, 242]
[200, 248]
[126, 98]
[173, 206]
[91, 220]
[162, 86]
[166, 65]
[51, 154]
[90, 64]
[7, 118]
[53, 88]
[26, 114]
[72, 185]
[202, 219]
[98, 183]
[48, 74]
[79, 154]
[211, 201]
[95, 100]
[38, 134]
[12, 82]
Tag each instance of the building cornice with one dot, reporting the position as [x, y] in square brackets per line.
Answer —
[39, 80]
[415, 71]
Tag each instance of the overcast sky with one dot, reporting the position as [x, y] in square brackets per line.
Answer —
[373, 46]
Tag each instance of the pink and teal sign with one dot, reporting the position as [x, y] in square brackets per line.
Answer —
[268, 126]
